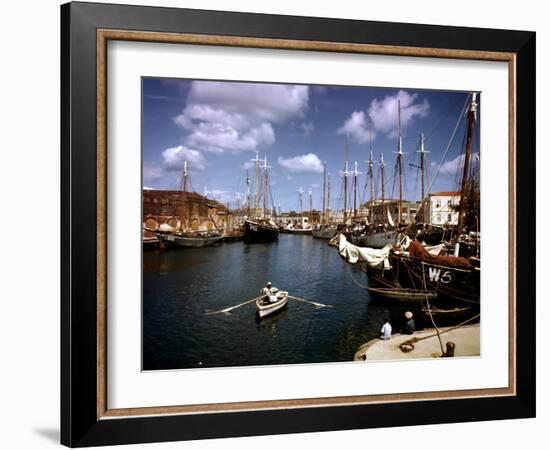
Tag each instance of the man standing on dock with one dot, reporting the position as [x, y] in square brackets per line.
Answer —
[385, 332]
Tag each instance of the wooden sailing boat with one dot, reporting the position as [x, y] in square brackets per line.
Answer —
[379, 236]
[325, 230]
[452, 277]
[260, 228]
[300, 228]
[183, 236]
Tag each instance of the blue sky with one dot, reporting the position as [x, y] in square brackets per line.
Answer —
[218, 126]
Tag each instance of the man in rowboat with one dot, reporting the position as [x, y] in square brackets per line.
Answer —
[270, 292]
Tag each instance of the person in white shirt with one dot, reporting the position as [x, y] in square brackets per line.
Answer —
[385, 332]
[270, 292]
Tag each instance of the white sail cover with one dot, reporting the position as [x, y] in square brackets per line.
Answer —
[434, 249]
[390, 220]
[164, 227]
[375, 258]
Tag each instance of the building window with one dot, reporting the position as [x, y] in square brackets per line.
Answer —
[449, 217]
[438, 204]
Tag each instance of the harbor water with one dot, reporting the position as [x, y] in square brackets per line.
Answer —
[180, 286]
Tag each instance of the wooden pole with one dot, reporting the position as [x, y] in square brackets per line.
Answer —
[328, 195]
[345, 191]
[371, 205]
[265, 187]
[383, 188]
[323, 220]
[400, 161]
[257, 185]
[471, 123]
[355, 173]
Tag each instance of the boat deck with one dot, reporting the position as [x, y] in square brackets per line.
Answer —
[466, 340]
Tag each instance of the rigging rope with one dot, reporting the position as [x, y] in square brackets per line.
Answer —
[462, 112]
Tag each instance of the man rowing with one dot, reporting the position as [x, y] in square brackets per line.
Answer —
[270, 292]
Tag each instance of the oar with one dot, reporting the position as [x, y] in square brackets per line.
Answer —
[230, 308]
[316, 304]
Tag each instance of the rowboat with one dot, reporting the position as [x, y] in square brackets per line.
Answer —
[403, 294]
[264, 307]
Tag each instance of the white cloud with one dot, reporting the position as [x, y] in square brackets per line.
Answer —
[219, 138]
[383, 113]
[302, 163]
[307, 128]
[457, 164]
[356, 127]
[151, 173]
[174, 158]
[236, 117]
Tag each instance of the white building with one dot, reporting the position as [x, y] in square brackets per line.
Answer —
[443, 208]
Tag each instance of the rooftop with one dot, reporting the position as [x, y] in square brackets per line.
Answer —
[445, 194]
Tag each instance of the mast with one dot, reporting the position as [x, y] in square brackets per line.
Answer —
[185, 176]
[400, 161]
[300, 192]
[346, 173]
[371, 175]
[310, 206]
[371, 203]
[265, 187]
[471, 122]
[247, 194]
[382, 165]
[345, 191]
[256, 162]
[355, 173]
[422, 169]
[323, 219]
[328, 195]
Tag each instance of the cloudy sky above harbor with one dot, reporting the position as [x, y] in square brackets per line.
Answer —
[217, 127]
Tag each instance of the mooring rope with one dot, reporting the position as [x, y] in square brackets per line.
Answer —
[430, 312]
[363, 286]
[414, 340]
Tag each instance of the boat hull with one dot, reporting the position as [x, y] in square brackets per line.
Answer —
[403, 295]
[378, 239]
[264, 308]
[255, 232]
[297, 231]
[450, 283]
[324, 233]
[190, 241]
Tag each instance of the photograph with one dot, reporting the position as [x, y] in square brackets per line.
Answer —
[301, 224]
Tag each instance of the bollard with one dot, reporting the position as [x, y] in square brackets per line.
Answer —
[450, 350]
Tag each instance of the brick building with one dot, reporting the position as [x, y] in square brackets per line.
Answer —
[195, 210]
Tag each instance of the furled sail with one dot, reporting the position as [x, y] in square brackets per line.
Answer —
[390, 220]
[375, 258]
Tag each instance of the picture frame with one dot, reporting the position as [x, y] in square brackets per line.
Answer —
[86, 418]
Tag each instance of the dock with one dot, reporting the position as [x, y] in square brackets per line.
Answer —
[465, 338]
